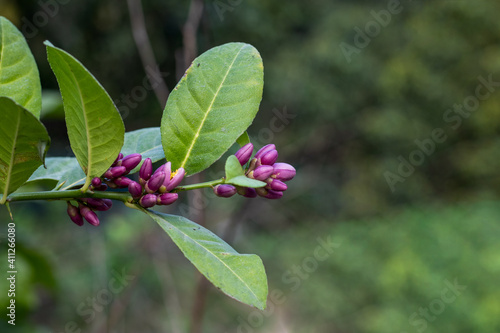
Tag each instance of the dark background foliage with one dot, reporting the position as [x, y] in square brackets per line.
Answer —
[351, 120]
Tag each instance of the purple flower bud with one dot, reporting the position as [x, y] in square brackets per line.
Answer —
[262, 172]
[155, 182]
[176, 179]
[74, 214]
[131, 161]
[247, 192]
[103, 187]
[244, 153]
[167, 198]
[122, 182]
[89, 215]
[135, 189]
[96, 182]
[98, 204]
[146, 169]
[117, 161]
[264, 150]
[276, 185]
[283, 171]
[274, 194]
[270, 157]
[167, 168]
[224, 190]
[115, 172]
[148, 200]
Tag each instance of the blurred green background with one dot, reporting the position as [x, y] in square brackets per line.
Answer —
[390, 112]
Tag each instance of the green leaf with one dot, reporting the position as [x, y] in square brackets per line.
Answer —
[23, 144]
[233, 167]
[212, 105]
[235, 174]
[95, 128]
[65, 170]
[241, 276]
[147, 142]
[243, 139]
[245, 182]
[68, 174]
[19, 77]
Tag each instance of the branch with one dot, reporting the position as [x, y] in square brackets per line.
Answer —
[146, 51]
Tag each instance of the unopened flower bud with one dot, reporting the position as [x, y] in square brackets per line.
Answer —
[98, 204]
[135, 189]
[146, 170]
[276, 185]
[247, 192]
[176, 179]
[270, 157]
[148, 200]
[96, 182]
[118, 160]
[283, 171]
[155, 182]
[89, 215]
[167, 198]
[122, 182]
[115, 172]
[167, 168]
[224, 190]
[131, 161]
[74, 214]
[103, 187]
[262, 172]
[264, 150]
[244, 153]
[274, 194]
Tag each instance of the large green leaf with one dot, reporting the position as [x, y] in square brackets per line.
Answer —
[19, 78]
[23, 144]
[67, 172]
[95, 128]
[147, 142]
[241, 276]
[212, 105]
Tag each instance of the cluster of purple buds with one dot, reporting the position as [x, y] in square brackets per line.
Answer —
[154, 188]
[263, 167]
[86, 210]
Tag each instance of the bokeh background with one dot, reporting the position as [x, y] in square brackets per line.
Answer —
[390, 112]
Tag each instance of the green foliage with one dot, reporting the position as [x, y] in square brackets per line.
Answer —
[235, 174]
[23, 144]
[95, 128]
[64, 170]
[19, 78]
[219, 97]
[241, 276]
[146, 141]
[212, 105]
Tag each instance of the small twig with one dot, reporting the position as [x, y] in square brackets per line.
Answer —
[190, 29]
[146, 51]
